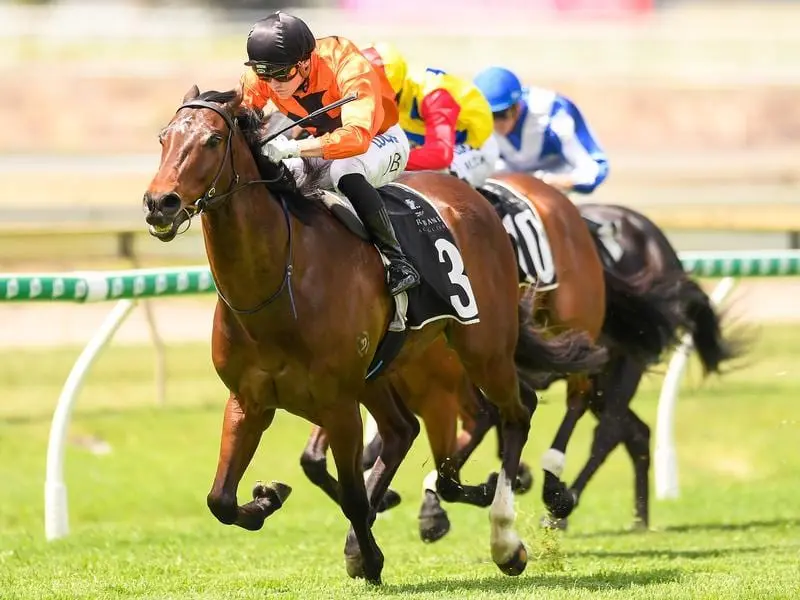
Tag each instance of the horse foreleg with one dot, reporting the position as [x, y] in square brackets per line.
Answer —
[447, 478]
[315, 464]
[559, 500]
[476, 427]
[438, 409]
[373, 446]
[344, 428]
[440, 413]
[373, 443]
[241, 433]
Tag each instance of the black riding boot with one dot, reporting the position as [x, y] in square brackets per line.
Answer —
[401, 274]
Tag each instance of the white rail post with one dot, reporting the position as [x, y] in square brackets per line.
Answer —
[56, 520]
[161, 354]
[155, 337]
[666, 459]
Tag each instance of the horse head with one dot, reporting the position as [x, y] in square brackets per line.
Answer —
[197, 166]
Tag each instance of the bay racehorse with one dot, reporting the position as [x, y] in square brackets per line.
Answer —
[571, 291]
[302, 307]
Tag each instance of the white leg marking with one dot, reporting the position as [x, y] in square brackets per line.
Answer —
[553, 461]
[370, 429]
[429, 483]
[504, 540]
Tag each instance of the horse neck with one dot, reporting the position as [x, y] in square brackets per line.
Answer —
[246, 240]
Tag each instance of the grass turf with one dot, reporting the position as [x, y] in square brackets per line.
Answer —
[140, 527]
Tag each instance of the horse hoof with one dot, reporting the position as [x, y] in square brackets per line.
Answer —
[524, 481]
[558, 499]
[516, 565]
[355, 566]
[356, 570]
[639, 526]
[434, 523]
[276, 492]
[434, 527]
[389, 501]
[550, 522]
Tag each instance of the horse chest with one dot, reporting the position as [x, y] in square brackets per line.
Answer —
[288, 387]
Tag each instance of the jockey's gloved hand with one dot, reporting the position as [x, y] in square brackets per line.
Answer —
[279, 148]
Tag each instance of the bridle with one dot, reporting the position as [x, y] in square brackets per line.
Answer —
[210, 200]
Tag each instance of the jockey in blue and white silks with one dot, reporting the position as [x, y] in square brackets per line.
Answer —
[542, 133]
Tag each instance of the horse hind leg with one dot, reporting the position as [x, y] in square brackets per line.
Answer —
[315, 465]
[500, 384]
[490, 360]
[637, 443]
[614, 424]
[524, 482]
[508, 551]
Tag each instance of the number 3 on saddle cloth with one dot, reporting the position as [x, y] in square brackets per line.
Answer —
[527, 232]
[445, 292]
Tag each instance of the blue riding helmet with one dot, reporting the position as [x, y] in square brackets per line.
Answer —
[500, 87]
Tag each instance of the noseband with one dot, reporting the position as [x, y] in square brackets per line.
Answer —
[210, 200]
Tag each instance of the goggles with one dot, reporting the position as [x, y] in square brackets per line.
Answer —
[282, 73]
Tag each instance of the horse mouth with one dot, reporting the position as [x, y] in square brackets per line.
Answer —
[167, 232]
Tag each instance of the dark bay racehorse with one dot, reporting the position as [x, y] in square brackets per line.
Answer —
[283, 337]
[646, 255]
[640, 321]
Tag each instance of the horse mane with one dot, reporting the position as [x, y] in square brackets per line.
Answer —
[278, 178]
[273, 122]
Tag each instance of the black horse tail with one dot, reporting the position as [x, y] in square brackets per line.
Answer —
[565, 353]
[644, 312]
[706, 329]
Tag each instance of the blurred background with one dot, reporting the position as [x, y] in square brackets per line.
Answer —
[696, 103]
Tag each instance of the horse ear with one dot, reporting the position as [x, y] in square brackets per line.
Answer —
[233, 104]
[193, 93]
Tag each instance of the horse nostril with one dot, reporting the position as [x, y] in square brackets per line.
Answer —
[149, 204]
[171, 203]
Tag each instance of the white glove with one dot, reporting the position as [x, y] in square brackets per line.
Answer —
[281, 147]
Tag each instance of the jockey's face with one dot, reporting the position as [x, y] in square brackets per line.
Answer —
[285, 89]
[505, 120]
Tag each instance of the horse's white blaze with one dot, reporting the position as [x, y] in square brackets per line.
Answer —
[504, 539]
[553, 462]
[183, 124]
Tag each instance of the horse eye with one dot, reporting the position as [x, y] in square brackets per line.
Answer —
[213, 141]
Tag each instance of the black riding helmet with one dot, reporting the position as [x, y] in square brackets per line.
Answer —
[279, 40]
